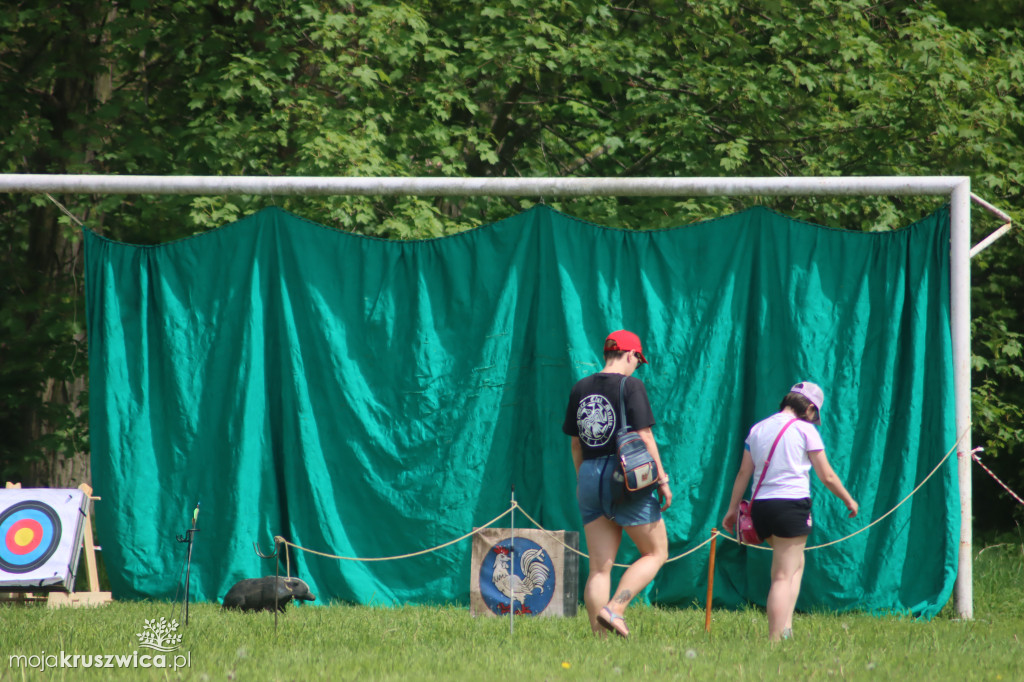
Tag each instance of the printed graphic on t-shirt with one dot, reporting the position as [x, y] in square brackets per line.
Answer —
[596, 419]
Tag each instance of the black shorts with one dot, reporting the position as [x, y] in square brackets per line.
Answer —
[782, 518]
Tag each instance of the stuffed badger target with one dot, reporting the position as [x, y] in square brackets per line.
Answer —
[259, 594]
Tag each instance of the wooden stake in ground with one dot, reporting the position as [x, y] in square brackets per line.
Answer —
[711, 581]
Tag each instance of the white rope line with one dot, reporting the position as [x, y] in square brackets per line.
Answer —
[63, 208]
[587, 556]
[281, 540]
[515, 505]
[879, 519]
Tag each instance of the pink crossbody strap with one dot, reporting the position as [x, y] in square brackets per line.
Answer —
[769, 460]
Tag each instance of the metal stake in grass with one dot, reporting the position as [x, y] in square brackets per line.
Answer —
[276, 555]
[188, 561]
[512, 563]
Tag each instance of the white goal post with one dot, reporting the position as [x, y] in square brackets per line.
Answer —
[957, 188]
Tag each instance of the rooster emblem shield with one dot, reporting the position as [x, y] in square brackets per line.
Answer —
[520, 577]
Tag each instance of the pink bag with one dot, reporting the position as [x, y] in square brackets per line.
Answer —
[745, 532]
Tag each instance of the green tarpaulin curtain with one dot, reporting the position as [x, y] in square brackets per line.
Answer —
[372, 398]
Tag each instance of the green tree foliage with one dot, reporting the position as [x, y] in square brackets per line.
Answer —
[993, 14]
[502, 88]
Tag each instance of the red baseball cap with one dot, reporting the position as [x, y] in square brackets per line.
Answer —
[624, 340]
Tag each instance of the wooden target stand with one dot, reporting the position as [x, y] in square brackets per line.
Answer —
[57, 597]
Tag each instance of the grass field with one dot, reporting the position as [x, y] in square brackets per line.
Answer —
[341, 642]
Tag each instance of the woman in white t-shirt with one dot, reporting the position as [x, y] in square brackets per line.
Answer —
[781, 511]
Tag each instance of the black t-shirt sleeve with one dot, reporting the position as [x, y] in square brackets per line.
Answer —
[570, 427]
[638, 406]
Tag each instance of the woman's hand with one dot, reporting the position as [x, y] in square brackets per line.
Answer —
[739, 486]
[729, 521]
[664, 494]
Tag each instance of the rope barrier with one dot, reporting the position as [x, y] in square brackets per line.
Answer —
[281, 540]
[974, 456]
[880, 518]
[587, 556]
[515, 505]
[63, 208]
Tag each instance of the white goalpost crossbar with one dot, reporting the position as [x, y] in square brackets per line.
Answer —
[957, 188]
[444, 186]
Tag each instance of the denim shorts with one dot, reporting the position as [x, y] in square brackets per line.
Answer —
[600, 492]
[782, 518]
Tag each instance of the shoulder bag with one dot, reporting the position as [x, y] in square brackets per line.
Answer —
[745, 532]
[638, 466]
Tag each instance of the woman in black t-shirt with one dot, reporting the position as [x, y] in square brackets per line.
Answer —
[591, 420]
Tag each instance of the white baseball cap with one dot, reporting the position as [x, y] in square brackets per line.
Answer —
[813, 393]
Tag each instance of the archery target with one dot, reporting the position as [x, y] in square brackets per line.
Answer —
[31, 533]
[40, 536]
[536, 574]
[521, 571]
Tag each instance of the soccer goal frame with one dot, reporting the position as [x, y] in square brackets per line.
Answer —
[956, 188]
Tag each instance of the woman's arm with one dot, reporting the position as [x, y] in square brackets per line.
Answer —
[831, 480]
[739, 487]
[577, 453]
[664, 491]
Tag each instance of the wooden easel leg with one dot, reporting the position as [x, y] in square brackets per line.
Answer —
[93, 597]
[90, 548]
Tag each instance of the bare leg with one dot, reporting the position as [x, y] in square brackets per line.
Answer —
[794, 587]
[603, 539]
[787, 574]
[652, 541]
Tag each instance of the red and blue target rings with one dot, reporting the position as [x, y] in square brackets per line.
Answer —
[29, 535]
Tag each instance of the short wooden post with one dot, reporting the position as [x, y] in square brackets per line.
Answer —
[711, 582]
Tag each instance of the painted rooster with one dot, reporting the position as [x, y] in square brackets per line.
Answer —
[535, 572]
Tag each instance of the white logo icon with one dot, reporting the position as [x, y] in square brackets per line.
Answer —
[596, 419]
[159, 635]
